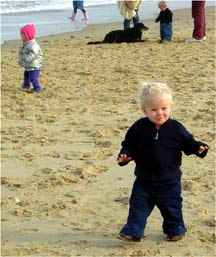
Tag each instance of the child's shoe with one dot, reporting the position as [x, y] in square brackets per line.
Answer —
[191, 40]
[24, 89]
[38, 90]
[128, 238]
[164, 41]
[173, 238]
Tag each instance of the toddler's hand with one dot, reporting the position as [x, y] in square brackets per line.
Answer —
[123, 158]
[202, 148]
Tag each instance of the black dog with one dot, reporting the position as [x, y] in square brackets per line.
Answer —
[130, 35]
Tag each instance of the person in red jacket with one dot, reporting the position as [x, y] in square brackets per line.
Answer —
[198, 14]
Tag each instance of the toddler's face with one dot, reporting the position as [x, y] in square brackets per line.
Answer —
[22, 37]
[158, 111]
[162, 7]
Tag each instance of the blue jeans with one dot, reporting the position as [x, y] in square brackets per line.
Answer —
[135, 21]
[166, 196]
[166, 31]
[32, 77]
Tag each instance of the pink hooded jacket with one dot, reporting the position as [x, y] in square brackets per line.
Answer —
[28, 31]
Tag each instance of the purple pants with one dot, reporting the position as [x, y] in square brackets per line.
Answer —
[198, 14]
[32, 77]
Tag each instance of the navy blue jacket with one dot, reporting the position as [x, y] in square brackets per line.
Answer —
[165, 16]
[158, 158]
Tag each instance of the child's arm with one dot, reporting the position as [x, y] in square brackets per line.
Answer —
[126, 153]
[169, 17]
[198, 148]
[191, 146]
[21, 62]
[30, 56]
[158, 18]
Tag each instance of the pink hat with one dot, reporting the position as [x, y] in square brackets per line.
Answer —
[28, 31]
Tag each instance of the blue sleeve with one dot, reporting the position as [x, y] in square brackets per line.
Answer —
[127, 145]
[158, 18]
[170, 17]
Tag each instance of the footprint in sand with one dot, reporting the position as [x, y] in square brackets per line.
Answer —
[103, 154]
[92, 171]
[105, 144]
[27, 230]
[189, 185]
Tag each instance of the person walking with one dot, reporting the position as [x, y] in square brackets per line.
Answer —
[78, 5]
[198, 14]
[30, 58]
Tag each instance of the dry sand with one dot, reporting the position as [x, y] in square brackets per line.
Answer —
[62, 191]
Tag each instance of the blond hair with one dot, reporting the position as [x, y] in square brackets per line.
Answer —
[151, 91]
[162, 4]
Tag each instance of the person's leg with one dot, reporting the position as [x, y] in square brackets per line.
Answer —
[161, 32]
[198, 14]
[169, 202]
[127, 24]
[26, 82]
[136, 18]
[167, 32]
[85, 15]
[73, 15]
[141, 206]
[34, 75]
[204, 23]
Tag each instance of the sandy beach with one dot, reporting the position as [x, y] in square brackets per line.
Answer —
[62, 192]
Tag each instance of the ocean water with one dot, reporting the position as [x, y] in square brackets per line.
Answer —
[16, 6]
[51, 16]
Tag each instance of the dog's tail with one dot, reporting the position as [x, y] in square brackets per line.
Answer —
[95, 43]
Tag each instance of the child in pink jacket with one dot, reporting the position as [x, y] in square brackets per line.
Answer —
[30, 58]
